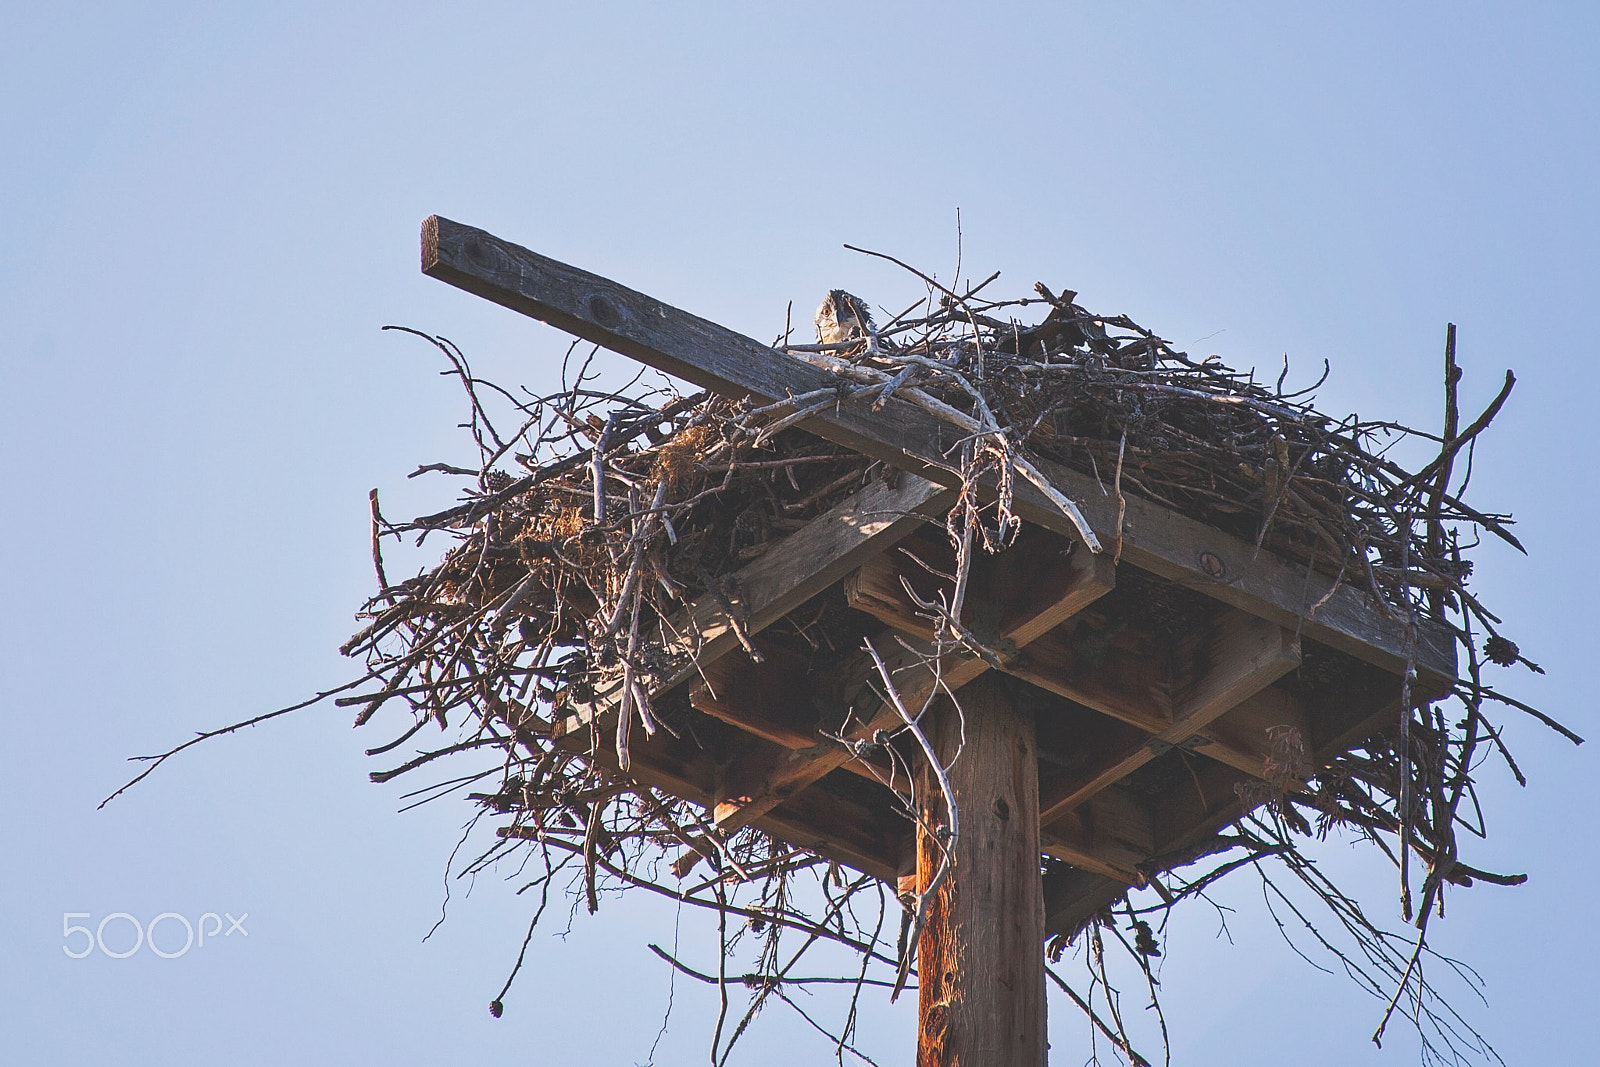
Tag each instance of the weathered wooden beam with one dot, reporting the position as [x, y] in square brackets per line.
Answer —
[1151, 536]
[768, 699]
[1331, 724]
[1236, 658]
[1111, 833]
[980, 957]
[781, 707]
[1243, 737]
[674, 765]
[1125, 680]
[1122, 675]
[1013, 597]
[1073, 894]
[838, 829]
[1012, 600]
[843, 831]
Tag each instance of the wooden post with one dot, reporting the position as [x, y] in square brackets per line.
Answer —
[980, 965]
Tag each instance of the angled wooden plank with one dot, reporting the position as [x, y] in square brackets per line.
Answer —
[1110, 835]
[1187, 821]
[813, 558]
[779, 702]
[1031, 580]
[1151, 536]
[1238, 657]
[768, 699]
[1073, 895]
[840, 830]
[1012, 597]
[1123, 676]
[673, 765]
[731, 708]
[1243, 738]
[1063, 582]
[875, 588]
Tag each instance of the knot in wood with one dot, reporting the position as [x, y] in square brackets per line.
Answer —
[603, 311]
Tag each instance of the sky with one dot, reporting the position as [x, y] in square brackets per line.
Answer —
[212, 210]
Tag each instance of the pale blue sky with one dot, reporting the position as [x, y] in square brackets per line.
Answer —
[212, 209]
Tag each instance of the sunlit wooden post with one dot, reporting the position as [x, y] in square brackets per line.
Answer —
[980, 959]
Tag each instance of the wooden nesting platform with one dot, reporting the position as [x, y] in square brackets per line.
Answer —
[1156, 683]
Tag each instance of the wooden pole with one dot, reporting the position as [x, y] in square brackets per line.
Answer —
[980, 966]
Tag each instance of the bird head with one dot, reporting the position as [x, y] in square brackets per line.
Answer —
[842, 317]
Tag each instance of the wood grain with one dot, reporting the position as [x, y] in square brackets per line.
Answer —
[980, 962]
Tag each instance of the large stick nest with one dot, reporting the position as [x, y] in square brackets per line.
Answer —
[584, 531]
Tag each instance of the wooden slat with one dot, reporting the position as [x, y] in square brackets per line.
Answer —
[1333, 722]
[1243, 737]
[1123, 675]
[1130, 688]
[768, 699]
[1110, 835]
[875, 588]
[1062, 586]
[1012, 598]
[1151, 536]
[1240, 656]
[866, 840]
[879, 588]
[778, 705]
[675, 765]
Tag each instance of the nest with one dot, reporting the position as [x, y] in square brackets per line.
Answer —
[585, 531]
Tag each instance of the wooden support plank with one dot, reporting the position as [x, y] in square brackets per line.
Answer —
[1072, 895]
[1238, 657]
[1064, 582]
[1111, 833]
[1331, 723]
[1130, 691]
[768, 699]
[1243, 737]
[1151, 536]
[1206, 803]
[676, 766]
[1123, 675]
[1013, 597]
[875, 588]
[980, 958]
[830, 826]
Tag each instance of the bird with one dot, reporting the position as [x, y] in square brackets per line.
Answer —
[842, 317]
